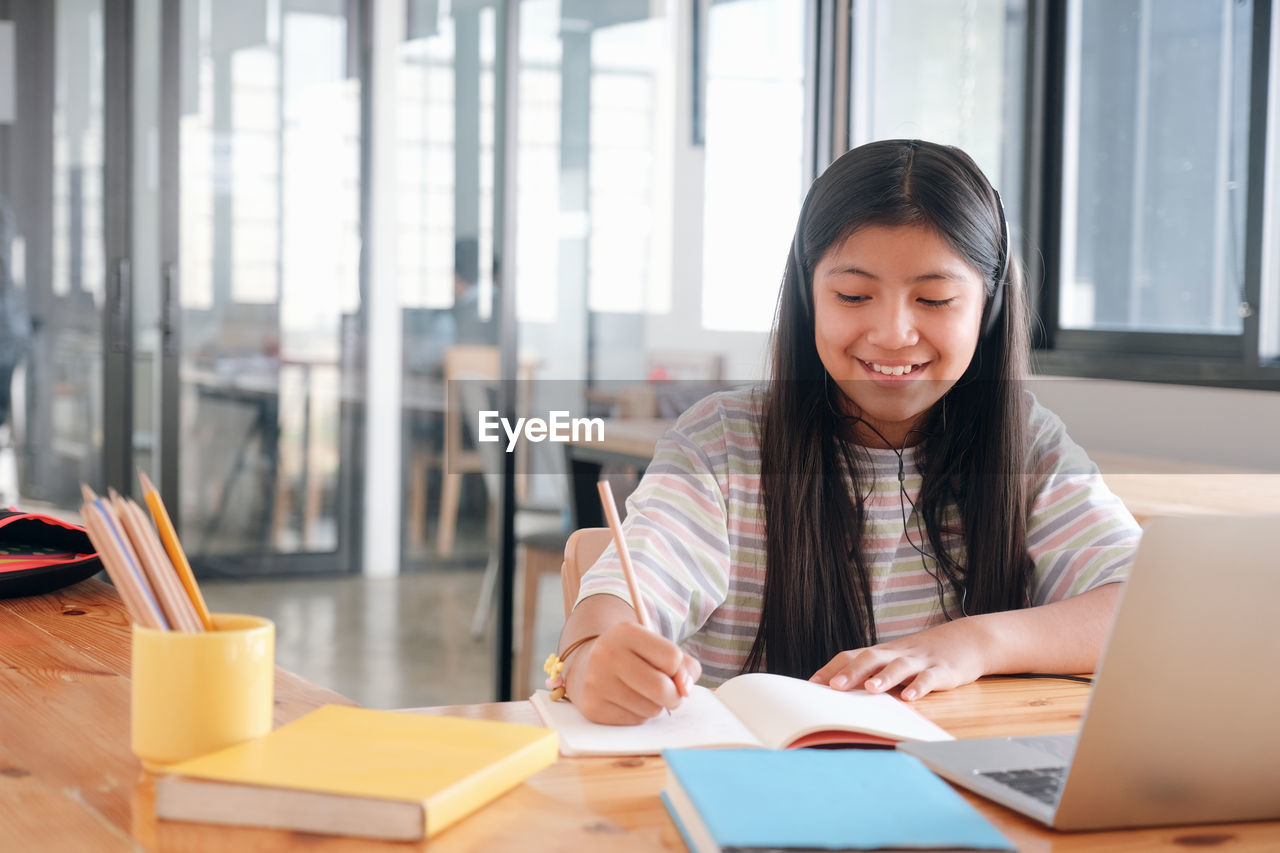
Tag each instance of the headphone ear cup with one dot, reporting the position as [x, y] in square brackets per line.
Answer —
[797, 254]
[991, 317]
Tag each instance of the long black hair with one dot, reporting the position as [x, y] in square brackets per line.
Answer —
[817, 594]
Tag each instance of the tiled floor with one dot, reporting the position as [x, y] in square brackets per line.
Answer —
[386, 642]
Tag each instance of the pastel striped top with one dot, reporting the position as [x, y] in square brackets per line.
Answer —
[695, 527]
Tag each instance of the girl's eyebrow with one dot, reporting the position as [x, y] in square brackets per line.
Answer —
[944, 274]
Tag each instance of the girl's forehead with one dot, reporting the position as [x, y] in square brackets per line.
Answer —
[909, 242]
[920, 232]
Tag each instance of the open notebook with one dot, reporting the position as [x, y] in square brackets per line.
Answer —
[757, 709]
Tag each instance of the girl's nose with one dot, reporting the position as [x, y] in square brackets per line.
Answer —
[894, 327]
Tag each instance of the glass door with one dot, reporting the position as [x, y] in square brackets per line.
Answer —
[57, 272]
[660, 166]
[269, 130]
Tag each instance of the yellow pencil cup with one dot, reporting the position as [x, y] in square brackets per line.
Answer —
[194, 693]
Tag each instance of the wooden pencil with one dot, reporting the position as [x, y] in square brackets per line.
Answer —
[624, 554]
[164, 580]
[628, 570]
[113, 562]
[188, 619]
[173, 547]
[121, 537]
[126, 577]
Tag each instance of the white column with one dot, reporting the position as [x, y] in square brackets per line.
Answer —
[381, 551]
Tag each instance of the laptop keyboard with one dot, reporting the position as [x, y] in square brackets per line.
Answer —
[1042, 783]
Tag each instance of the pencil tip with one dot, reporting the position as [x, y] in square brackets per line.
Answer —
[147, 485]
[87, 493]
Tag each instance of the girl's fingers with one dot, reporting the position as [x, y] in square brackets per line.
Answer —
[638, 700]
[688, 674]
[922, 685]
[893, 674]
[656, 651]
[831, 668]
[610, 713]
[848, 670]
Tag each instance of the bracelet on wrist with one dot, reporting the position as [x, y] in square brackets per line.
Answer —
[555, 666]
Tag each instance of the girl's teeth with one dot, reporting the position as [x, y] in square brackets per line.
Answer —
[891, 371]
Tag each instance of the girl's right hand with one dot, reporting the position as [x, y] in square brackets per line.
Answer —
[629, 674]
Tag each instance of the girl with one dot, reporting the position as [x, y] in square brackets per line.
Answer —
[893, 509]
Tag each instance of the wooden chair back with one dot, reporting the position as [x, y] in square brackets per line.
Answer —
[581, 551]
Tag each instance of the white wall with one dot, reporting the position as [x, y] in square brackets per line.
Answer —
[1211, 425]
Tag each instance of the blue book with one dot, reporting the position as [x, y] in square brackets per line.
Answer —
[808, 799]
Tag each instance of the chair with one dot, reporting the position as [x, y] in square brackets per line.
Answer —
[540, 530]
[469, 374]
[580, 552]
[460, 363]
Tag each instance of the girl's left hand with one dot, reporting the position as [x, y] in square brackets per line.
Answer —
[939, 658]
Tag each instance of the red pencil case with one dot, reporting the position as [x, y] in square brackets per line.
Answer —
[39, 553]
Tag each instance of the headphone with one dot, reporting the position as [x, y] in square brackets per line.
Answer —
[991, 310]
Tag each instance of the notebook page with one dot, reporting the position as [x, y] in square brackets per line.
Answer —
[700, 721]
[780, 709]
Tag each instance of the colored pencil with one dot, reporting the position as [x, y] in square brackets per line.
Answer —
[164, 580]
[174, 548]
[121, 567]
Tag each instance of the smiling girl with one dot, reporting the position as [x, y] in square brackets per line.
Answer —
[893, 508]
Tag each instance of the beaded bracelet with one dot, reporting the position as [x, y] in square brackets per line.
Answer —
[555, 665]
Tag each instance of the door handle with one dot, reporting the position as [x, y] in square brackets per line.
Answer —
[169, 310]
[121, 311]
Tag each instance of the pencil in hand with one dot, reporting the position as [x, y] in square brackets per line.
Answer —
[628, 570]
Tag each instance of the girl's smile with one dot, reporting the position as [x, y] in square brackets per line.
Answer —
[893, 372]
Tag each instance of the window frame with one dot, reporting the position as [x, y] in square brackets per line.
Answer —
[1235, 361]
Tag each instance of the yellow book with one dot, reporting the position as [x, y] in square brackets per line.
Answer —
[356, 771]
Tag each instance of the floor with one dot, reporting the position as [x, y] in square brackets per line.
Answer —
[387, 642]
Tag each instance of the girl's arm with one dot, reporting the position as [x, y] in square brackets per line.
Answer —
[1063, 637]
[627, 674]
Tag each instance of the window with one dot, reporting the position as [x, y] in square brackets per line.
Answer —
[946, 72]
[755, 169]
[1154, 242]
[1155, 170]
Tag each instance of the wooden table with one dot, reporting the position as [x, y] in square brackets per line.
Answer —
[1151, 487]
[69, 782]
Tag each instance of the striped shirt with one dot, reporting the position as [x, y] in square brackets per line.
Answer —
[695, 528]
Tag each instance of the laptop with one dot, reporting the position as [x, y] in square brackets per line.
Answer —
[1183, 725]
